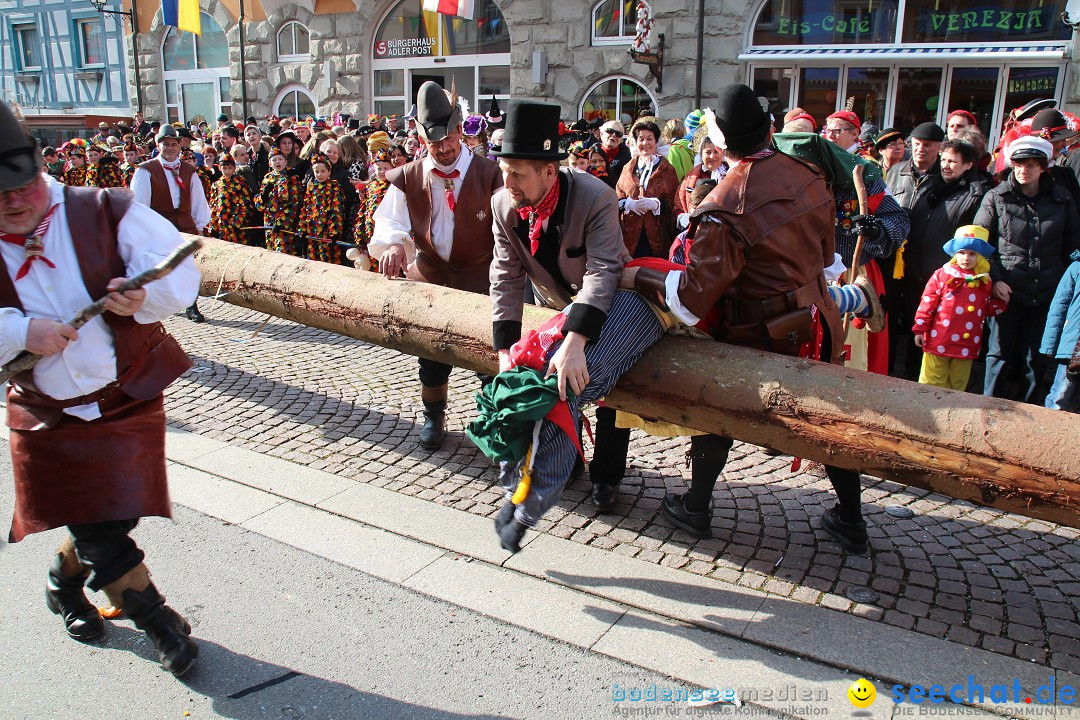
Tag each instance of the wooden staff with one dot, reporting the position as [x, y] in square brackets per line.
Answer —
[860, 192]
[26, 360]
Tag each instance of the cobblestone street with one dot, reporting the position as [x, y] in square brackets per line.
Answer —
[978, 577]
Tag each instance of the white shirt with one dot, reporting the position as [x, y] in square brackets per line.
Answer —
[89, 364]
[200, 210]
[392, 224]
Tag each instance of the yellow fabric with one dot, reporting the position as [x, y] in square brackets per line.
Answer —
[658, 428]
[945, 372]
[898, 266]
[187, 16]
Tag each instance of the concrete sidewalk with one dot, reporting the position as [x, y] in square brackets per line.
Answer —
[696, 629]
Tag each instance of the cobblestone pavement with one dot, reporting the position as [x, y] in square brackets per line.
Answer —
[979, 577]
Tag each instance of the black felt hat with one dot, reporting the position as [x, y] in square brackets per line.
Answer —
[741, 117]
[929, 131]
[437, 114]
[887, 136]
[532, 131]
[19, 159]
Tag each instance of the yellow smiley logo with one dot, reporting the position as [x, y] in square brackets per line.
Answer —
[862, 693]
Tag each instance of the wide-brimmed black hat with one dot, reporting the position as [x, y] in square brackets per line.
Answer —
[166, 131]
[436, 114]
[887, 136]
[532, 131]
[1051, 124]
[741, 117]
[19, 159]
[1032, 109]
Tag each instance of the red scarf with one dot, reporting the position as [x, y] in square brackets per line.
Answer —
[450, 202]
[537, 215]
[32, 244]
[611, 154]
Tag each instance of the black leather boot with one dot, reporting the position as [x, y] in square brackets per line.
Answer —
[64, 596]
[193, 313]
[434, 431]
[164, 626]
[510, 535]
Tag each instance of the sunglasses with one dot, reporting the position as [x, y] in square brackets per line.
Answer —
[616, 133]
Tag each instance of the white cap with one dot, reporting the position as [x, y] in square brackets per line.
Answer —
[1030, 146]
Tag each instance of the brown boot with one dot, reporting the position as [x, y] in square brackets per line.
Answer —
[169, 631]
[64, 595]
[433, 432]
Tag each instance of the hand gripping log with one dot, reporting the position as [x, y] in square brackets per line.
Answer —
[26, 360]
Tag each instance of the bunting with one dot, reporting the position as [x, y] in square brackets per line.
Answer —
[461, 8]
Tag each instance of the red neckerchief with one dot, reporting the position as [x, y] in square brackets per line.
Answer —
[611, 154]
[537, 215]
[176, 174]
[32, 244]
[448, 186]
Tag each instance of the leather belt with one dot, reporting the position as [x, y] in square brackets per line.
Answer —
[755, 312]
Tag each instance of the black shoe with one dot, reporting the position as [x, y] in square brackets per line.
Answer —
[604, 496]
[506, 514]
[164, 626]
[852, 536]
[64, 596]
[193, 313]
[433, 432]
[698, 524]
[510, 536]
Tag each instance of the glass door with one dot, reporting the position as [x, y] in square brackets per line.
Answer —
[199, 98]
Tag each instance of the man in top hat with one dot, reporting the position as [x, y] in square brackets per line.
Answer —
[761, 240]
[558, 230]
[173, 190]
[87, 422]
[434, 225]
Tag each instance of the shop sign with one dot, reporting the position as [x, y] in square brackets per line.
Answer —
[986, 20]
[827, 26]
[405, 47]
[642, 50]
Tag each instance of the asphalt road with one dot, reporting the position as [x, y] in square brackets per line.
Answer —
[283, 634]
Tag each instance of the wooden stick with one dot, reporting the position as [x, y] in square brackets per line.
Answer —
[853, 271]
[26, 360]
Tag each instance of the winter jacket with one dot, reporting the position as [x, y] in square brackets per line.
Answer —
[1063, 323]
[950, 317]
[1033, 238]
[904, 184]
[940, 208]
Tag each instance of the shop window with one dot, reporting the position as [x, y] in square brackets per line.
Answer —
[295, 102]
[869, 87]
[410, 31]
[293, 42]
[91, 43]
[614, 22]
[774, 84]
[975, 89]
[1030, 83]
[918, 95]
[931, 21]
[826, 22]
[818, 90]
[623, 99]
[29, 46]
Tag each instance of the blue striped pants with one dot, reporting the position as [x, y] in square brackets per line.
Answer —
[630, 329]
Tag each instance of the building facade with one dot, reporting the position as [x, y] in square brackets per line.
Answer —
[902, 61]
[64, 63]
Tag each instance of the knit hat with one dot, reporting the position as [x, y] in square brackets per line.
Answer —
[276, 151]
[849, 117]
[798, 113]
[741, 118]
[970, 237]
[692, 121]
[319, 157]
[964, 114]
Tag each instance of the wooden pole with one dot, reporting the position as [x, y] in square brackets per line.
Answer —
[1011, 456]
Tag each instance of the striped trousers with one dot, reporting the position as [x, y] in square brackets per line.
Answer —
[630, 329]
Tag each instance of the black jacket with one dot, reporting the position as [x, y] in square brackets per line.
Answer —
[614, 169]
[904, 184]
[939, 209]
[1033, 237]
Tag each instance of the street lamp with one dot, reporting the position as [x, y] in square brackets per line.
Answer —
[133, 18]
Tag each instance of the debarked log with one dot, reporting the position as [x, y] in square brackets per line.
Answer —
[1002, 454]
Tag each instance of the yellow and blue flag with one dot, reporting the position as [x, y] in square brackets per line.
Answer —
[182, 14]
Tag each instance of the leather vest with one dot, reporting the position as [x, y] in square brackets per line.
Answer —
[474, 243]
[148, 359]
[161, 195]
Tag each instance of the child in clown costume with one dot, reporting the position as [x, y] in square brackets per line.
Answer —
[230, 204]
[75, 174]
[955, 304]
[103, 170]
[322, 216]
[371, 194]
[208, 172]
[279, 202]
[131, 161]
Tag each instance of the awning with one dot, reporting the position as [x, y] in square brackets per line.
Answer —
[920, 54]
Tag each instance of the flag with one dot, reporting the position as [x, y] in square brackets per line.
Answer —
[182, 15]
[462, 8]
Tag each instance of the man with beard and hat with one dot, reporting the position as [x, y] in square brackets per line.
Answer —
[761, 241]
[87, 422]
[173, 190]
[434, 225]
[557, 230]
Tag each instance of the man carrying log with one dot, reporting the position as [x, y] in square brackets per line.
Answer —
[762, 239]
[434, 224]
[87, 422]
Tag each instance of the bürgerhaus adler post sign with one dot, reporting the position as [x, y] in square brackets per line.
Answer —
[641, 50]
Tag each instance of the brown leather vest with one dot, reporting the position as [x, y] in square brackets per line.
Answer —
[148, 359]
[474, 243]
[161, 195]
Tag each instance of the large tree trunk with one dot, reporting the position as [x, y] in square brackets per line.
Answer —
[998, 453]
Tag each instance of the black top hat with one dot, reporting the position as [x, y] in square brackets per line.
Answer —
[436, 113]
[742, 118]
[532, 131]
[19, 159]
